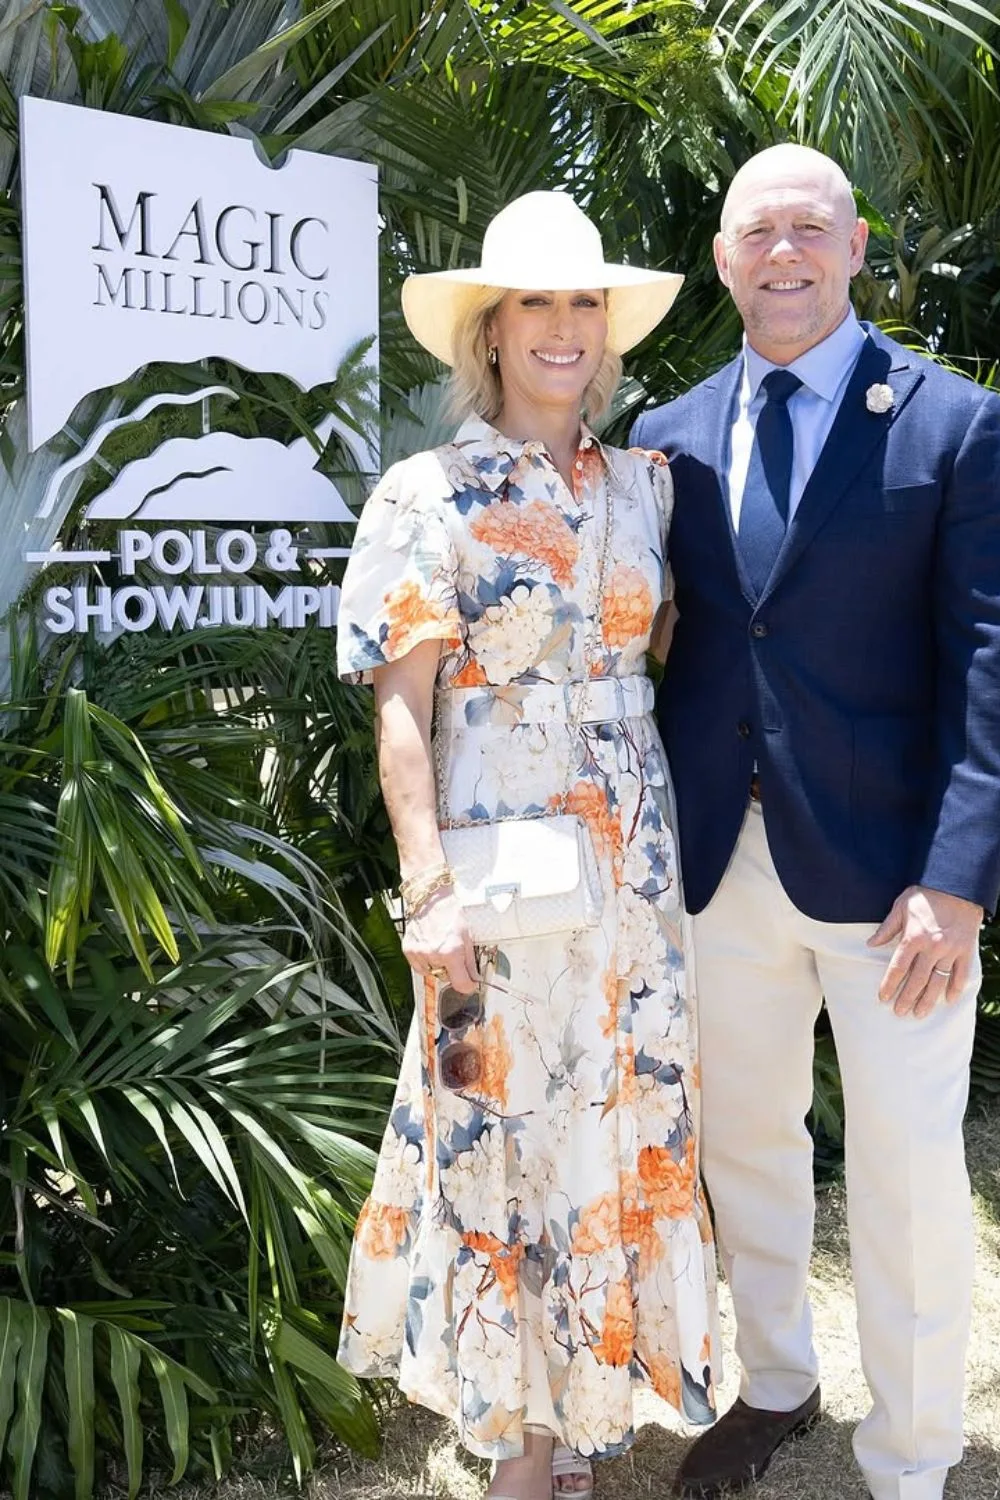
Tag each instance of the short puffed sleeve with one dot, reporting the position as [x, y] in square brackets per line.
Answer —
[400, 585]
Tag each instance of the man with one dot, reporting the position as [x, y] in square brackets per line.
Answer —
[831, 707]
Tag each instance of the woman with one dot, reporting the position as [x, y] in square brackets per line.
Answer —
[535, 1243]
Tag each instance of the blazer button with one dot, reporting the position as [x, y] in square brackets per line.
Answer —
[758, 629]
[743, 729]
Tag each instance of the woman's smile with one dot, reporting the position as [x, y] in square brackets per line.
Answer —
[552, 357]
[549, 347]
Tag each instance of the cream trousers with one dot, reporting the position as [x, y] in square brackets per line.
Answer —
[762, 969]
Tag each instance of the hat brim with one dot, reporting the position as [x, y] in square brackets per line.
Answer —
[434, 302]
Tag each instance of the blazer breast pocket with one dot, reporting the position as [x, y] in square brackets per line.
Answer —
[899, 499]
[873, 502]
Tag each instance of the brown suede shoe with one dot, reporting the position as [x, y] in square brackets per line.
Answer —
[737, 1450]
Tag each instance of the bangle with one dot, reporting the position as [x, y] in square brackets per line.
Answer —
[418, 889]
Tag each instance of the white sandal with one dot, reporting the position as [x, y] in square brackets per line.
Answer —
[498, 1495]
[566, 1462]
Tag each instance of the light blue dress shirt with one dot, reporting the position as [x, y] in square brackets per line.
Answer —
[824, 371]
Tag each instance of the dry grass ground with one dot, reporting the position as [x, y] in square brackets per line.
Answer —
[421, 1460]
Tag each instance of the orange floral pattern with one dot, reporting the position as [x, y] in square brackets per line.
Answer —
[668, 1184]
[504, 1260]
[543, 1222]
[628, 1083]
[609, 1016]
[639, 1224]
[536, 531]
[618, 1330]
[590, 802]
[471, 675]
[497, 1061]
[587, 471]
[382, 1229]
[665, 1378]
[599, 1226]
[412, 617]
[628, 606]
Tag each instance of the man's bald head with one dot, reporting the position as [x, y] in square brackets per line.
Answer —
[789, 244]
[787, 165]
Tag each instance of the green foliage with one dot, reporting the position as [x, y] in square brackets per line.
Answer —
[198, 1050]
[201, 984]
[185, 1161]
[115, 823]
[197, 1054]
[829, 71]
[986, 1054]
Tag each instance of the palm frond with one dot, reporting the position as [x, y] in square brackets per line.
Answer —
[853, 78]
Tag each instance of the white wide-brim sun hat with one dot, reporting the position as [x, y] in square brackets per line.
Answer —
[539, 242]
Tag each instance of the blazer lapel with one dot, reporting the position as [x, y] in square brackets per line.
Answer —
[722, 392]
[853, 438]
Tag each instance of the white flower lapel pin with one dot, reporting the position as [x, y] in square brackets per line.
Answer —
[880, 399]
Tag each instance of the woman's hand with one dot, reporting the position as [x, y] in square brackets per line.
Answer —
[438, 937]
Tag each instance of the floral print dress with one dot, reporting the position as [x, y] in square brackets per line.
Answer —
[535, 1246]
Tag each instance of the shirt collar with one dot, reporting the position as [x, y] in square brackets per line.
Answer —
[822, 368]
[494, 456]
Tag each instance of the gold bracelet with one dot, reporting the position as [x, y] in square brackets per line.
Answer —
[410, 888]
[418, 889]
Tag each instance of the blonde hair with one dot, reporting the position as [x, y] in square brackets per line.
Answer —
[476, 386]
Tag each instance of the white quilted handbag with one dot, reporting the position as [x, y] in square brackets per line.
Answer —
[525, 877]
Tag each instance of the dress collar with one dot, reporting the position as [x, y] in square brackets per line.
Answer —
[822, 368]
[495, 456]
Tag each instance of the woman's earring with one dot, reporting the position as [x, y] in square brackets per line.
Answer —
[491, 354]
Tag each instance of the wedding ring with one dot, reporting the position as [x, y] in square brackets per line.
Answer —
[945, 973]
[437, 972]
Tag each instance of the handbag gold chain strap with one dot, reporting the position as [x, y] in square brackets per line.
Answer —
[589, 653]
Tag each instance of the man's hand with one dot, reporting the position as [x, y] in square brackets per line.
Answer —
[936, 936]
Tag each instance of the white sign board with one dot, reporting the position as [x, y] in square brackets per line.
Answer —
[146, 242]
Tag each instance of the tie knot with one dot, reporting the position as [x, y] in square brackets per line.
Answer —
[779, 385]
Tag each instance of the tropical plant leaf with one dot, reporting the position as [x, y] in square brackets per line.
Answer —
[175, 1409]
[125, 1362]
[249, 69]
[836, 72]
[178, 23]
[10, 1351]
[31, 1368]
[78, 1370]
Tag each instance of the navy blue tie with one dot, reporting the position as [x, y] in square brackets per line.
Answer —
[764, 508]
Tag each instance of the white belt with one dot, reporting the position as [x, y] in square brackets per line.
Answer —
[605, 699]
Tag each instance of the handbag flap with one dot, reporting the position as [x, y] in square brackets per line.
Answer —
[522, 857]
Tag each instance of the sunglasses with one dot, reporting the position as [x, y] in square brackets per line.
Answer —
[460, 1063]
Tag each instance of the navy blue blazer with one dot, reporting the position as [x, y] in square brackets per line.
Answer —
[864, 682]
